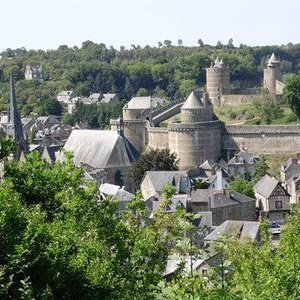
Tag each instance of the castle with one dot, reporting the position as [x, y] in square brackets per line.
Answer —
[200, 136]
[220, 92]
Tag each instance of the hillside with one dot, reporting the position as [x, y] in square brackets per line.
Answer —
[164, 71]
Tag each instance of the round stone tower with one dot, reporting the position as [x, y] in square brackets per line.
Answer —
[217, 81]
[134, 127]
[198, 136]
[271, 74]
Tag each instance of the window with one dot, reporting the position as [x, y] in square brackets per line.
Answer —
[204, 272]
[278, 204]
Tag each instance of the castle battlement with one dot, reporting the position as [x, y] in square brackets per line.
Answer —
[200, 126]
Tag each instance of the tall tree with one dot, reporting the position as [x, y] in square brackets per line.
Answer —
[152, 160]
[291, 93]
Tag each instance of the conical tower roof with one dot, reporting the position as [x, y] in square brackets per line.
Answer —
[192, 102]
[273, 60]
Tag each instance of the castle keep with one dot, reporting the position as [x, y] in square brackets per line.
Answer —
[200, 136]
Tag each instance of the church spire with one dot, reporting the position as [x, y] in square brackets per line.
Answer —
[14, 126]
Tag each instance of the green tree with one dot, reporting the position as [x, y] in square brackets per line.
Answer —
[268, 109]
[241, 185]
[261, 169]
[152, 160]
[291, 93]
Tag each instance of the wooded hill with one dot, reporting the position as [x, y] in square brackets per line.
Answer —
[164, 71]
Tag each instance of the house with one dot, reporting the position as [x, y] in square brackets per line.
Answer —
[219, 181]
[109, 99]
[237, 229]
[116, 193]
[72, 104]
[272, 199]
[176, 202]
[34, 72]
[223, 204]
[243, 163]
[65, 96]
[101, 151]
[289, 168]
[94, 98]
[187, 264]
[154, 182]
[292, 185]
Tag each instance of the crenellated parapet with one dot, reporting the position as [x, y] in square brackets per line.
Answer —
[199, 126]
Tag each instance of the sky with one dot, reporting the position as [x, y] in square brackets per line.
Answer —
[47, 24]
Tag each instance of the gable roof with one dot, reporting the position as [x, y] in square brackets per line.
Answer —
[97, 148]
[243, 230]
[243, 157]
[160, 179]
[266, 185]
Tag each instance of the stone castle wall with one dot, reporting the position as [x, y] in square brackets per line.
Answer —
[235, 100]
[195, 142]
[158, 137]
[262, 138]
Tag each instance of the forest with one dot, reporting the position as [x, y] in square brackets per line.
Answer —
[166, 70]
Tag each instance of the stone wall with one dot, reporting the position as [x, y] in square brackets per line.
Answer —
[235, 100]
[195, 142]
[158, 137]
[262, 138]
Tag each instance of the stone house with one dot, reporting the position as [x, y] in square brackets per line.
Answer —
[65, 96]
[242, 163]
[154, 182]
[109, 99]
[272, 199]
[292, 185]
[223, 204]
[289, 168]
[34, 72]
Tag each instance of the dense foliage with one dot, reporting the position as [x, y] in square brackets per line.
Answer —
[93, 115]
[57, 241]
[165, 71]
[292, 93]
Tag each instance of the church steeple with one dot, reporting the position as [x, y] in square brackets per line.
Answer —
[14, 126]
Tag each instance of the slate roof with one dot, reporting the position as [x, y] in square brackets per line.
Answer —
[144, 102]
[243, 157]
[160, 179]
[291, 167]
[207, 165]
[192, 102]
[217, 198]
[243, 230]
[97, 148]
[266, 185]
[273, 59]
[109, 189]
[107, 98]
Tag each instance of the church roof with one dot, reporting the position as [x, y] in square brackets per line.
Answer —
[97, 148]
[192, 102]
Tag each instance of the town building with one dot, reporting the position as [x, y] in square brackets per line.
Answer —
[272, 199]
[34, 72]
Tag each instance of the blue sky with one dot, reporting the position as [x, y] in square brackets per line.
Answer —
[46, 24]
